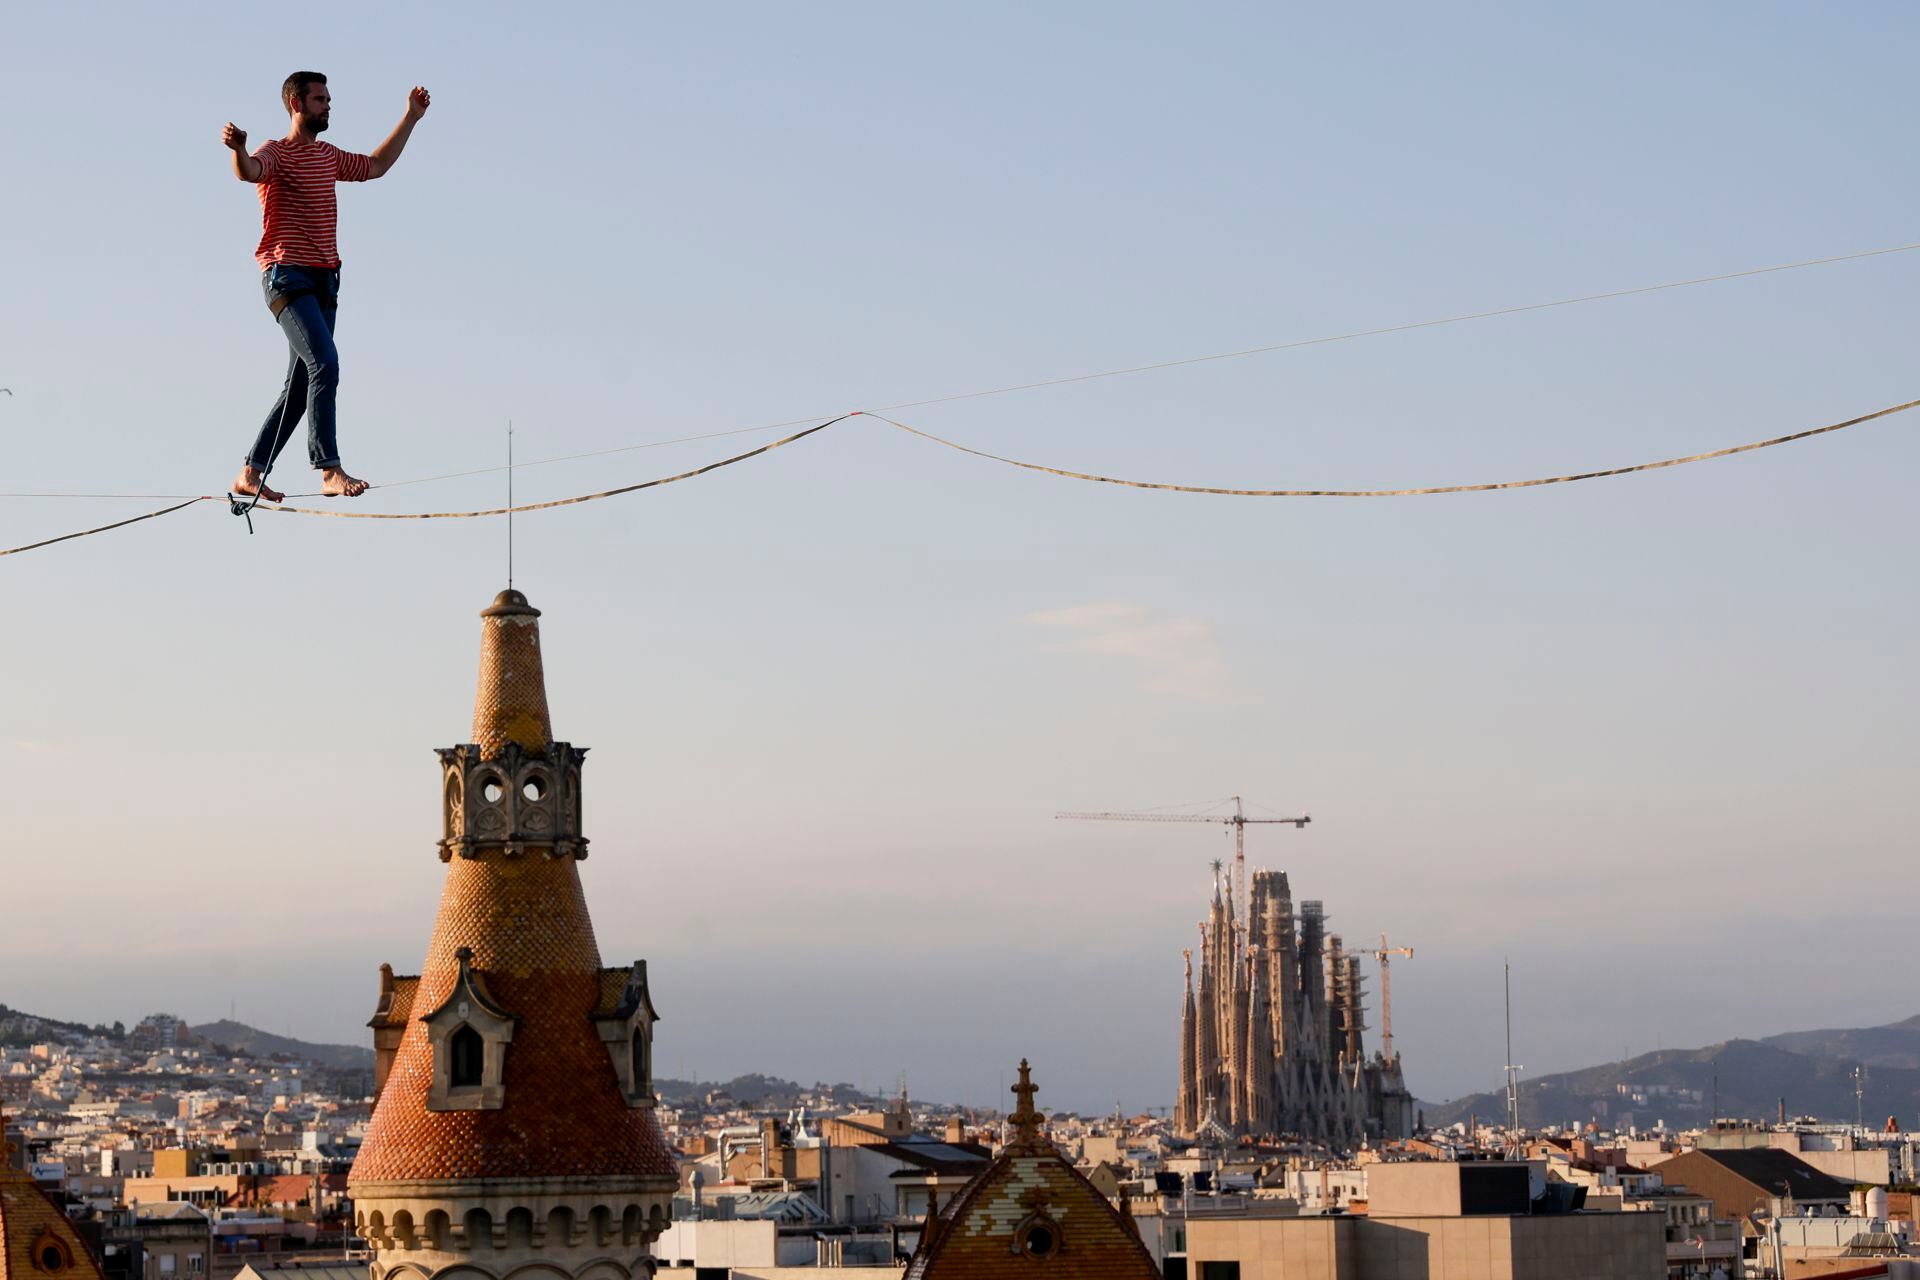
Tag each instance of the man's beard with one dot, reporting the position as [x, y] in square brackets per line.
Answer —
[317, 124]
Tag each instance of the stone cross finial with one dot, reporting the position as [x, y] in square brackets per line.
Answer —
[1026, 1120]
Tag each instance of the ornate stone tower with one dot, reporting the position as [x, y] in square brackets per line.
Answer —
[514, 1130]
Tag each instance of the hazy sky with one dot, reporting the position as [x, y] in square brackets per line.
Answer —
[1653, 737]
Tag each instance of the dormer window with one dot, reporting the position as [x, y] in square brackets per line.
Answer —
[469, 1033]
[625, 1021]
[468, 1052]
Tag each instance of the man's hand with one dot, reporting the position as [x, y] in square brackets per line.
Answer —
[384, 155]
[245, 167]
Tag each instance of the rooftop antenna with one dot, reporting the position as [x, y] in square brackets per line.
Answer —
[1513, 1070]
[509, 504]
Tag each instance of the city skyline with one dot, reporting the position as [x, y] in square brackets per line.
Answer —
[1642, 736]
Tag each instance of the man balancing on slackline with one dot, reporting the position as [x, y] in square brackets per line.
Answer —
[300, 269]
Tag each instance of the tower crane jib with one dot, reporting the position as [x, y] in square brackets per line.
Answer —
[1238, 820]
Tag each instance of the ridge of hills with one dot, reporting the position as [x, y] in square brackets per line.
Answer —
[1810, 1072]
[238, 1037]
[19, 1028]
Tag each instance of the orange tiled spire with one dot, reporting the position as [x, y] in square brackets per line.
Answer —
[513, 934]
[510, 704]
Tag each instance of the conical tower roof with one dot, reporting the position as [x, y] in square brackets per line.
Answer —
[510, 702]
[514, 941]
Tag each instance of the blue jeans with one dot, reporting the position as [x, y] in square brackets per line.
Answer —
[306, 300]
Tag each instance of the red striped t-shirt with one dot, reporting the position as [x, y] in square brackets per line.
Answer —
[297, 205]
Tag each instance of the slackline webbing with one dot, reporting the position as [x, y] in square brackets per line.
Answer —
[118, 524]
[1155, 366]
[441, 515]
[557, 502]
[1011, 462]
[1406, 493]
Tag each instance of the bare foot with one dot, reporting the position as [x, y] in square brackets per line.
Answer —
[336, 483]
[251, 481]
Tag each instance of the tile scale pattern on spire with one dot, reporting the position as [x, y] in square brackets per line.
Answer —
[1030, 1215]
[510, 701]
[540, 1148]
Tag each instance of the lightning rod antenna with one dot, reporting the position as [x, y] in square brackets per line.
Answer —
[509, 504]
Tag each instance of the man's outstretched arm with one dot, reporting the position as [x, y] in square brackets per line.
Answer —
[388, 153]
[245, 167]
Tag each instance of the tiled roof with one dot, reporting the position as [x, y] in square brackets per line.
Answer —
[1029, 1192]
[510, 703]
[288, 1188]
[563, 1113]
[613, 991]
[30, 1226]
[977, 1238]
[1770, 1167]
[396, 1001]
[525, 919]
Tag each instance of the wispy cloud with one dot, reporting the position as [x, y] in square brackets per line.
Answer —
[37, 747]
[1179, 657]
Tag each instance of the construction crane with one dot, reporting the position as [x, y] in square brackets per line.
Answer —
[1238, 820]
[1381, 953]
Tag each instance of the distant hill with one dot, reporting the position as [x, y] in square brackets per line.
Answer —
[17, 1027]
[238, 1037]
[1812, 1071]
[756, 1090]
[1895, 1045]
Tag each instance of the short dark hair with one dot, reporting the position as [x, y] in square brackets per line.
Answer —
[296, 85]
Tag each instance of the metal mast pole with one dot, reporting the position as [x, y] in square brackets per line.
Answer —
[1513, 1076]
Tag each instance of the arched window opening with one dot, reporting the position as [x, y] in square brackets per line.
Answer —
[469, 1056]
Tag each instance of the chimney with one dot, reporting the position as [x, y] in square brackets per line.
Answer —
[956, 1129]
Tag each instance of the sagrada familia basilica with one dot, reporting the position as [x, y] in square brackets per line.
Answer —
[1270, 1040]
